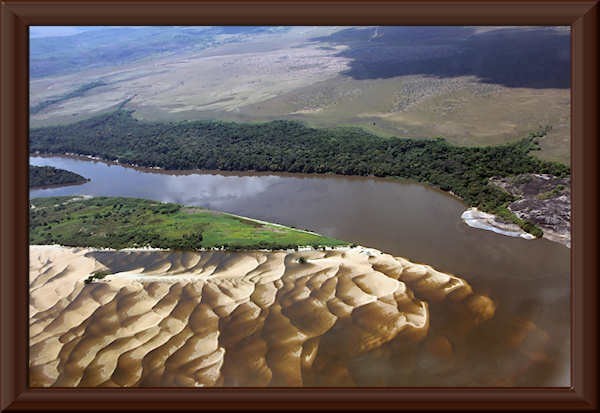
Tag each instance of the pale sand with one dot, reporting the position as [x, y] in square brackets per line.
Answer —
[482, 220]
[219, 318]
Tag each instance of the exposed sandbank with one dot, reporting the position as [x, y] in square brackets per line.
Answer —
[482, 220]
[219, 318]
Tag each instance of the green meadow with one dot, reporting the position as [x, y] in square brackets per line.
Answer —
[107, 222]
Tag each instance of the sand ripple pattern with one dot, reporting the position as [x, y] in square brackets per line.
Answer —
[228, 318]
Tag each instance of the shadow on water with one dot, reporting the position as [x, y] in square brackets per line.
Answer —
[516, 57]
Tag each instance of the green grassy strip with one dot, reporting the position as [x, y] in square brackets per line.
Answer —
[504, 213]
[106, 222]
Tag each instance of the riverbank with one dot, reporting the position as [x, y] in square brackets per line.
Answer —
[287, 146]
[542, 199]
[482, 220]
[503, 228]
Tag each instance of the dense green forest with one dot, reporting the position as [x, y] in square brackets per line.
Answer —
[107, 222]
[48, 175]
[293, 147]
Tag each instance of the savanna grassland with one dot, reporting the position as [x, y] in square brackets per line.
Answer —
[420, 83]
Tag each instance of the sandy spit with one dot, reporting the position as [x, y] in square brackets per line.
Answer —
[482, 220]
[218, 318]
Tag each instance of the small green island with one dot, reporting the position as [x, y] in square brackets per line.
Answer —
[117, 223]
[40, 176]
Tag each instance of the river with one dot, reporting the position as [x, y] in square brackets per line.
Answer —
[528, 341]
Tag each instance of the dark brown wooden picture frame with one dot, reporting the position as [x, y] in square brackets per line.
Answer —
[17, 15]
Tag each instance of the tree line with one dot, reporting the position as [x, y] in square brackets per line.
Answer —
[290, 146]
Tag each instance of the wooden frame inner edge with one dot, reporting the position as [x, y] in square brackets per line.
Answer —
[18, 15]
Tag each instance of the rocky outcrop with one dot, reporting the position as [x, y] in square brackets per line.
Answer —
[544, 200]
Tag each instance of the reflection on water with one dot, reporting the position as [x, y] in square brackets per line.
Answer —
[527, 343]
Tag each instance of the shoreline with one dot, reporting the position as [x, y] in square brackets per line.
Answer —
[222, 172]
[475, 218]
[481, 220]
[342, 248]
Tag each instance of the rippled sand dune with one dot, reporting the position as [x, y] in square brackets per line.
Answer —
[233, 318]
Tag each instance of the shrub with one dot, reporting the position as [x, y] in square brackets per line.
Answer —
[97, 275]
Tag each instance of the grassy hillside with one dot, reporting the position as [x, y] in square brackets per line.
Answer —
[111, 46]
[106, 222]
[48, 175]
[475, 86]
[463, 110]
[80, 91]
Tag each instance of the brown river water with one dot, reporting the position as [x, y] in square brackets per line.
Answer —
[527, 342]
